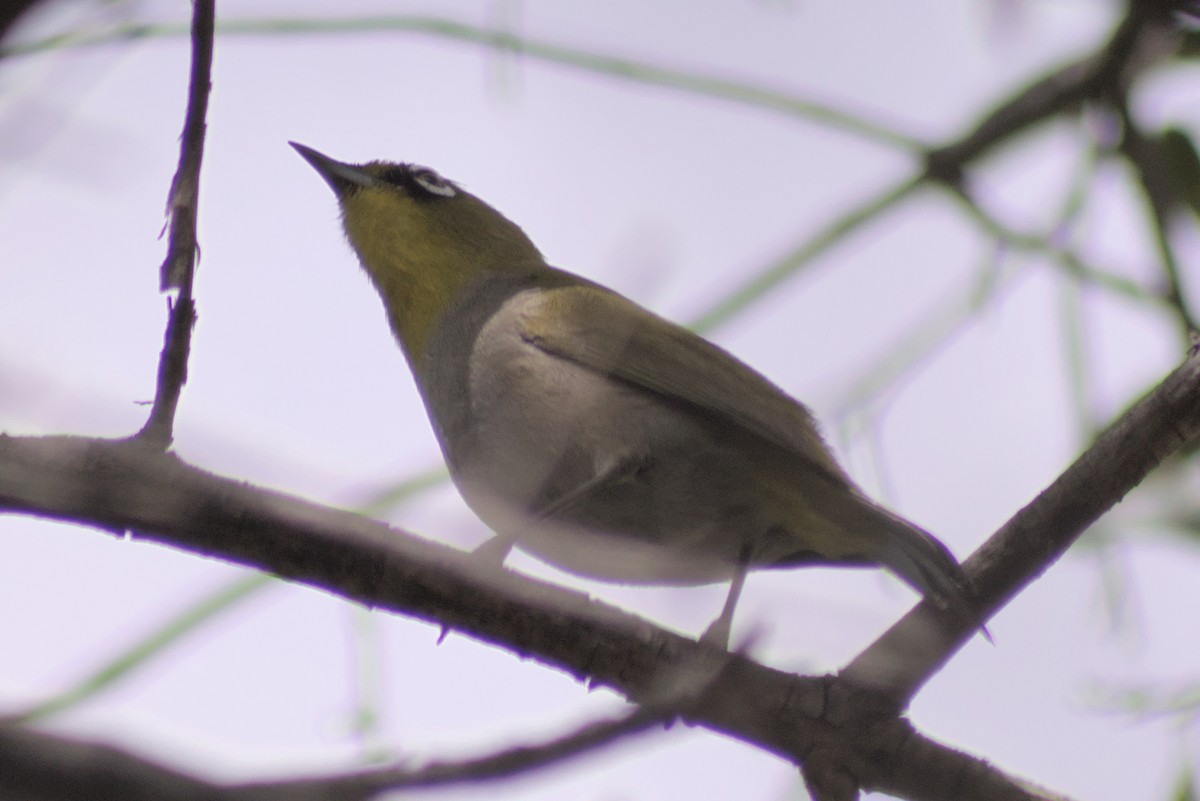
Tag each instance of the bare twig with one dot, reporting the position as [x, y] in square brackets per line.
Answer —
[1144, 36]
[1141, 39]
[804, 254]
[715, 87]
[179, 266]
[1065, 258]
[129, 659]
[46, 767]
[1162, 207]
[508, 763]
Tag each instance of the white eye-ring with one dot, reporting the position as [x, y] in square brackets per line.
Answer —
[433, 183]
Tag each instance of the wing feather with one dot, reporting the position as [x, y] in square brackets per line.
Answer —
[605, 332]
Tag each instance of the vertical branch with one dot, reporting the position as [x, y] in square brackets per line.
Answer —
[179, 266]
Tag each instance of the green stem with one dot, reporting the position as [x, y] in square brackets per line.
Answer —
[149, 647]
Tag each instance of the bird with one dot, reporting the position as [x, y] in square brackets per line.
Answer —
[594, 434]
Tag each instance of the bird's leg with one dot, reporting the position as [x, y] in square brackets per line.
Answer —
[496, 550]
[493, 552]
[490, 555]
[719, 630]
[618, 470]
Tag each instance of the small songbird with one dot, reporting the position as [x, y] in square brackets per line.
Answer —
[593, 433]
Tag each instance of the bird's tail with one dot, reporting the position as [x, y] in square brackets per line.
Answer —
[926, 565]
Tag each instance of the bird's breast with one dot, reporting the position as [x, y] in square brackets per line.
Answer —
[541, 422]
[586, 472]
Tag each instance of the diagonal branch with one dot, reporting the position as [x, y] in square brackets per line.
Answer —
[1144, 35]
[1158, 425]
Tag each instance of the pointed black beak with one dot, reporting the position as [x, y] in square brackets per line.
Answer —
[341, 177]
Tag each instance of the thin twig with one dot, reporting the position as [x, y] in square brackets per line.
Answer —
[931, 332]
[1061, 256]
[504, 764]
[1063, 91]
[710, 86]
[46, 767]
[130, 659]
[803, 255]
[179, 266]
[1136, 44]
[1162, 204]
[1075, 343]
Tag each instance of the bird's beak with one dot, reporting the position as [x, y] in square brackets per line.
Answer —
[341, 177]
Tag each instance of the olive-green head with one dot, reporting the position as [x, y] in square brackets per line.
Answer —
[421, 238]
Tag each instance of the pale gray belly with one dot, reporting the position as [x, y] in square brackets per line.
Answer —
[543, 427]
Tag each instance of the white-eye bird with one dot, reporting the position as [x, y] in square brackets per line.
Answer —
[594, 434]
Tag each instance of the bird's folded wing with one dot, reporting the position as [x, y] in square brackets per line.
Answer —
[605, 332]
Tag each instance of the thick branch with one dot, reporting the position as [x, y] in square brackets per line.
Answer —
[846, 734]
[123, 485]
[846, 729]
[46, 767]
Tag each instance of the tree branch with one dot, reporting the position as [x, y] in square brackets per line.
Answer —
[1158, 425]
[123, 485]
[1146, 34]
[845, 730]
[180, 264]
[47, 767]
[366, 784]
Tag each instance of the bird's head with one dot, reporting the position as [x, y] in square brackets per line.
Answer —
[420, 237]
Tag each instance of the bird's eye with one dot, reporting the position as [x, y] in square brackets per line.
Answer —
[433, 183]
